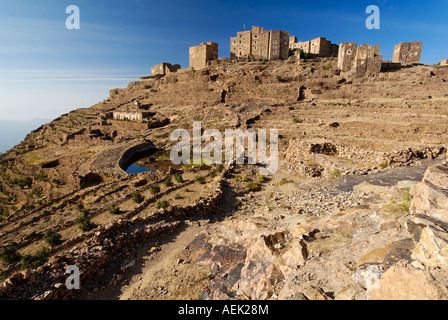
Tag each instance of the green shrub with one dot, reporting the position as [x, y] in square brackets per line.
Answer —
[278, 77]
[262, 179]
[155, 189]
[336, 173]
[9, 255]
[137, 197]
[253, 186]
[177, 196]
[80, 206]
[178, 177]
[327, 67]
[162, 204]
[113, 209]
[168, 182]
[52, 238]
[283, 181]
[84, 222]
[200, 179]
[304, 55]
[36, 260]
[220, 167]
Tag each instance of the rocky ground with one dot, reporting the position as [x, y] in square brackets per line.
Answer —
[347, 216]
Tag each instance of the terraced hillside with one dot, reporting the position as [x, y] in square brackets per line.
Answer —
[70, 173]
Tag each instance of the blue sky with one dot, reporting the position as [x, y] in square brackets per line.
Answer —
[47, 70]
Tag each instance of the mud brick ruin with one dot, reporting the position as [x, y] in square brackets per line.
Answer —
[407, 52]
[364, 60]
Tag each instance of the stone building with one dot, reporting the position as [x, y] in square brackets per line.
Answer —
[131, 113]
[361, 61]
[261, 44]
[303, 45]
[444, 62]
[319, 47]
[201, 54]
[407, 52]
[292, 42]
[164, 69]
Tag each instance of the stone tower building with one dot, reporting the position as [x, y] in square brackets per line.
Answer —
[407, 52]
[164, 69]
[261, 44]
[319, 47]
[201, 54]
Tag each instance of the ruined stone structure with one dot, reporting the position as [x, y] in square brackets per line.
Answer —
[444, 62]
[131, 113]
[201, 54]
[164, 69]
[407, 52]
[261, 44]
[364, 60]
[319, 47]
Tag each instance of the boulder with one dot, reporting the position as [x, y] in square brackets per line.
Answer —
[431, 195]
[404, 283]
[432, 249]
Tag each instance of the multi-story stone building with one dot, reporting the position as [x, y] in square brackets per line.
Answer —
[407, 52]
[261, 44]
[201, 54]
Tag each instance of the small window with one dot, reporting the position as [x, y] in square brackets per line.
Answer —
[275, 47]
[275, 52]
[275, 41]
[255, 48]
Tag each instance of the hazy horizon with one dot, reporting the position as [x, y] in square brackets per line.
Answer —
[47, 70]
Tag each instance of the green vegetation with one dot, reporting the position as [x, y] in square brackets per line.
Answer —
[200, 179]
[253, 186]
[155, 189]
[84, 222]
[162, 204]
[168, 182]
[41, 177]
[304, 55]
[283, 181]
[9, 255]
[177, 196]
[137, 197]
[336, 173]
[327, 67]
[178, 177]
[278, 77]
[52, 238]
[396, 210]
[36, 260]
[114, 209]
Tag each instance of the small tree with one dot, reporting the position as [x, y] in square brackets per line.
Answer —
[9, 255]
[36, 260]
[178, 177]
[137, 197]
[52, 238]
[84, 222]
[168, 182]
[162, 204]
[155, 189]
[113, 209]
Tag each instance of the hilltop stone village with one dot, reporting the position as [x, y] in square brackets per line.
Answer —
[363, 60]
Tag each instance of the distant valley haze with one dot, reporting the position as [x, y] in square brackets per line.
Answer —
[13, 132]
